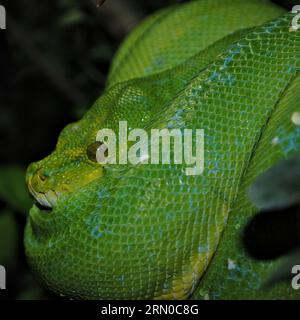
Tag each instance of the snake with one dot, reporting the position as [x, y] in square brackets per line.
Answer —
[103, 231]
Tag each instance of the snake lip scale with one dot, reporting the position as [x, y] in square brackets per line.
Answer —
[46, 201]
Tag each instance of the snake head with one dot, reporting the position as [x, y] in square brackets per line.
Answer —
[73, 164]
[66, 170]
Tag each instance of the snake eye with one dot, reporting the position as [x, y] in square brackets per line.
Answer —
[97, 151]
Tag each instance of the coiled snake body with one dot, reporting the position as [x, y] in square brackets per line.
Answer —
[230, 67]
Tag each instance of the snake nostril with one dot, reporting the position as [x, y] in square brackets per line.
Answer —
[41, 175]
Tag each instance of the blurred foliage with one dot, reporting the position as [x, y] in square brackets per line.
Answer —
[13, 190]
[279, 187]
[54, 58]
[277, 192]
[8, 238]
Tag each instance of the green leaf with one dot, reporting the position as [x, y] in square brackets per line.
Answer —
[13, 190]
[8, 239]
[71, 18]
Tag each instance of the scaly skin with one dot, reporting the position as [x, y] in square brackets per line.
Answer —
[150, 231]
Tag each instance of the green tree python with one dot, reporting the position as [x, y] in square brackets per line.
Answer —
[230, 67]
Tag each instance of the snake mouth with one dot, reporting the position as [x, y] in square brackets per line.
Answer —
[44, 201]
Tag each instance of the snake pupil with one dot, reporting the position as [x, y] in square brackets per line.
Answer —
[92, 150]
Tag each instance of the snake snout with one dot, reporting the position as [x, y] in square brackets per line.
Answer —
[40, 188]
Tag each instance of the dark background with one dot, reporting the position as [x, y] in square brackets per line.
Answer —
[54, 59]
